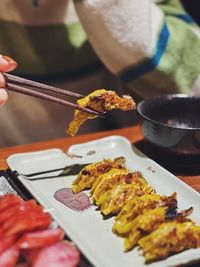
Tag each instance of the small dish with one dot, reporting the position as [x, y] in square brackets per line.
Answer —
[172, 122]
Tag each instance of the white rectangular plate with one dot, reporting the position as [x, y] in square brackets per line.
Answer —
[88, 230]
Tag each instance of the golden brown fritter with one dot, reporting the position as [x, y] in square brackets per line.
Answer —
[138, 206]
[146, 223]
[170, 238]
[90, 173]
[107, 182]
[113, 200]
[101, 101]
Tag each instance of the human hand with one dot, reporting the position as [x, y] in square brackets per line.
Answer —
[6, 64]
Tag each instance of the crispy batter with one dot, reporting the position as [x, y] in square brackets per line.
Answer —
[113, 200]
[107, 182]
[144, 217]
[100, 101]
[138, 206]
[147, 222]
[90, 173]
[109, 175]
[170, 238]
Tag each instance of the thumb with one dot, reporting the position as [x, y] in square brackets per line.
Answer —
[7, 64]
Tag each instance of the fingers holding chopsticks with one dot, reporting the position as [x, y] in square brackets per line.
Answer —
[6, 64]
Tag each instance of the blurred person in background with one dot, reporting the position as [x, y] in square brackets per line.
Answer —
[49, 45]
[152, 47]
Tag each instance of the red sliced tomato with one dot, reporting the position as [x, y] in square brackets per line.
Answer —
[9, 257]
[62, 254]
[29, 223]
[31, 214]
[17, 210]
[40, 239]
[9, 212]
[9, 200]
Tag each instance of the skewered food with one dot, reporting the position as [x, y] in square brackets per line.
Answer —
[170, 238]
[90, 173]
[100, 101]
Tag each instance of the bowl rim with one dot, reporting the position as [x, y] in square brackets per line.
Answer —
[166, 97]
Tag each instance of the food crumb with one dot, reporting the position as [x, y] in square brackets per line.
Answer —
[70, 155]
[91, 152]
[151, 169]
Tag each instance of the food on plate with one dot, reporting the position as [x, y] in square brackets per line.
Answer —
[112, 190]
[7, 201]
[88, 175]
[113, 200]
[101, 101]
[19, 208]
[40, 238]
[147, 222]
[170, 238]
[138, 206]
[114, 172]
[144, 218]
[30, 221]
[120, 195]
[62, 254]
[106, 182]
[76, 202]
[26, 228]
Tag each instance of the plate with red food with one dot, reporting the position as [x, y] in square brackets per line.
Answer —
[118, 206]
[30, 238]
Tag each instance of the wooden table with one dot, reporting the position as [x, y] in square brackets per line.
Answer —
[187, 168]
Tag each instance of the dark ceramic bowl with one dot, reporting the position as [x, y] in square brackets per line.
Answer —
[172, 122]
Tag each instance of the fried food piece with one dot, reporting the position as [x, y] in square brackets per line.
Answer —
[138, 206]
[112, 201]
[100, 101]
[106, 183]
[146, 223]
[170, 238]
[89, 174]
[109, 175]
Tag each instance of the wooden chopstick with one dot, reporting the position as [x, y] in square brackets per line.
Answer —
[25, 82]
[31, 92]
